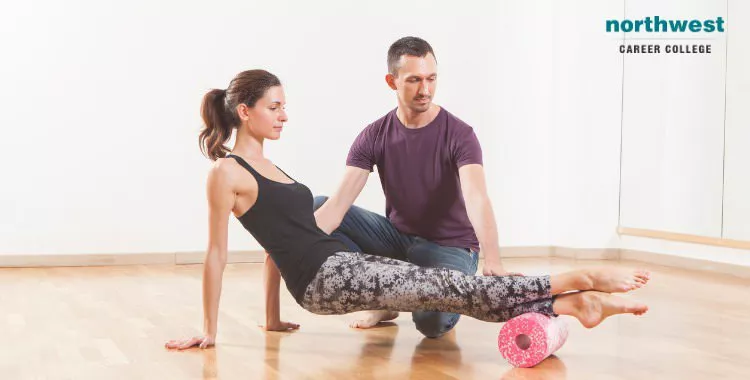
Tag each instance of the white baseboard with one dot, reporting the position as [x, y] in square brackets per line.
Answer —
[181, 258]
[20, 261]
[234, 257]
[689, 263]
[523, 252]
[564, 252]
[82, 260]
[586, 253]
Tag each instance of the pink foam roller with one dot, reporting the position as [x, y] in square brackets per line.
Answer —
[526, 340]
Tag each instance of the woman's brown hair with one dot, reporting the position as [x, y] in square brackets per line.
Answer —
[219, 109]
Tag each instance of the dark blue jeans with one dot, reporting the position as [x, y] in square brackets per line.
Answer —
[367, 232]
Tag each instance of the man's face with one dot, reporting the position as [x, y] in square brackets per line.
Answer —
[415, 82]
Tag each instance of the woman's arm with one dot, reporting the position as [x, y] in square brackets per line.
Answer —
[220, 203]
[271, 282]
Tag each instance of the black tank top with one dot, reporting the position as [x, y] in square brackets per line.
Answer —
[282, 220]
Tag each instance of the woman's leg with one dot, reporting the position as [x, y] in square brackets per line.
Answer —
[603, 279]
[350, 282]
[373, 317]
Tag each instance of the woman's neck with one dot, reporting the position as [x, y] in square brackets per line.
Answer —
[248, 147]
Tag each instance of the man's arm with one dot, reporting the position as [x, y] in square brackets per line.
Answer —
[481, 216]
[329, 215]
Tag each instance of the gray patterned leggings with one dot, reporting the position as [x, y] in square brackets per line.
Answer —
[349, 282]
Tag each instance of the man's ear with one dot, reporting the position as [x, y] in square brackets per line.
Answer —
[391, 80]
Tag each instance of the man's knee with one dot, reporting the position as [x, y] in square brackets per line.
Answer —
[318, 201]
[434, 324]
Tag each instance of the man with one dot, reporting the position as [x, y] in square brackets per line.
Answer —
[430, 167]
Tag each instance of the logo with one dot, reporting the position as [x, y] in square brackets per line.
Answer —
[684, 30]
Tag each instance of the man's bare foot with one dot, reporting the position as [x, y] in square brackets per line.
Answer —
[615, 280]
[373, 318]
[592, 307]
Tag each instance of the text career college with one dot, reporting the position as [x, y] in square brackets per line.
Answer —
[667, 49]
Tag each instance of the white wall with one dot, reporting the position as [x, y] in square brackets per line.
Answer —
[673, 122]
[100, 117]
[737, 154]
[520, 87]
[687, 250]
[585, 125]
[99, 126]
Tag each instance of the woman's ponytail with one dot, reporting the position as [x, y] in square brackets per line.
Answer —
[217, 129]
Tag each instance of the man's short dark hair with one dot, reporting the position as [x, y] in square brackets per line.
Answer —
[413, 46]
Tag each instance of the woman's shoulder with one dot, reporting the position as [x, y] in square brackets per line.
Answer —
[223, 167]
[223, 172]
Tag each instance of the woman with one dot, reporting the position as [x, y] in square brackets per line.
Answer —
[319, 272]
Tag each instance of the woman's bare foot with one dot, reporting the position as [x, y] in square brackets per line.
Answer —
[615, 280]
[373, 318]
[592, 307]
[605, 279]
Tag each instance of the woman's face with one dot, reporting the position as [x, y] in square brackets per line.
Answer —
[266, 119]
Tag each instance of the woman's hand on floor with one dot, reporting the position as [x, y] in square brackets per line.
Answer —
[200, 341]
[280, 326]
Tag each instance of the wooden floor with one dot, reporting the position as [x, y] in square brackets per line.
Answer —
[112, 322]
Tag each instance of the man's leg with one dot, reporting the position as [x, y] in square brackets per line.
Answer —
[428, 254]
[367, 232]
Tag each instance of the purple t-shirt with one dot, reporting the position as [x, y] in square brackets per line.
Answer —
[419, 173]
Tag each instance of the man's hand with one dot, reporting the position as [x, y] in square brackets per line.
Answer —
[496, 269]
